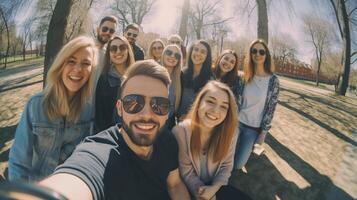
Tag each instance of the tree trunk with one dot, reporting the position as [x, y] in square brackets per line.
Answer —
[184, 19]
[347, 49]
[263, 29]
[7, 35]
[23, 51]
[318, 73]
[56, 33]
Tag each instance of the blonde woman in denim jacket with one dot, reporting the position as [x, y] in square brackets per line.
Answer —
[257, 97]
[56, 120]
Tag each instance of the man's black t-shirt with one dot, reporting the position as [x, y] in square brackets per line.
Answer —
[113, 171]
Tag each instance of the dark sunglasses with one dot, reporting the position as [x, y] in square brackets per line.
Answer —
[134, 103]
[168, 52]
[106, 29]
[175, 42]
[255, 51]
[132, 34]
[157, 48]
[114, 48]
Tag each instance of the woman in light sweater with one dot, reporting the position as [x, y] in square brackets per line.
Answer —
[207, 139]
[257, 98]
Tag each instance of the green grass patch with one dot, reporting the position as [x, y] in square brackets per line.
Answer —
[12, 59]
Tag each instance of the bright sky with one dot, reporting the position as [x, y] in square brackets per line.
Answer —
[165, 17]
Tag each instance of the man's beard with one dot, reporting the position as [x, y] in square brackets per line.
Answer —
[100, 39]
[141, 139]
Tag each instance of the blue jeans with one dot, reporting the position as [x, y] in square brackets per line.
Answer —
[246, 140]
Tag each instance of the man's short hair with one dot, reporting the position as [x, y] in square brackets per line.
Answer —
[110, 18]
[132, 26]
[149, 68]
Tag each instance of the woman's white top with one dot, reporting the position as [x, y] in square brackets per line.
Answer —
[254, 97]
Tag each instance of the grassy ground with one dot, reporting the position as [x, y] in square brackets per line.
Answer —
[18, 59]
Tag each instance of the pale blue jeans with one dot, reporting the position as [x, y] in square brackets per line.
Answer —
[246, 140]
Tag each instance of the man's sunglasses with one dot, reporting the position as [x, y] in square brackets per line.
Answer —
[175, 42]
[134, 103]
[106, 29]
[132, 34]
[114, 48]
[168, 52]
[255, 51]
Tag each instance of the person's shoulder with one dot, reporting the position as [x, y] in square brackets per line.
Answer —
[108, 137]
[36, 99]
[179, 129]
[137, 46]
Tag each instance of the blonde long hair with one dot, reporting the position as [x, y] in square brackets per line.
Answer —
[176, 74]
[150, 54]
[57, 102]
[223, 133]
[249, 68]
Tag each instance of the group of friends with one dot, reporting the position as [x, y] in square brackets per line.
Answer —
[111, 125]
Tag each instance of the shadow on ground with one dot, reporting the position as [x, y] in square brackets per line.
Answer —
[336, 117]
[7, 134]
[264, 181]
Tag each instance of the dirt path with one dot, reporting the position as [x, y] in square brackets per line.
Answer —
[311, 152]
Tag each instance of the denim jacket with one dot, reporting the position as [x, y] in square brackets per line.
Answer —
[270, 101]
[40, 145]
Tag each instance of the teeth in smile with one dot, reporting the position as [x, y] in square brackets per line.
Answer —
[145, 126]
[211, 116]
[76, 78]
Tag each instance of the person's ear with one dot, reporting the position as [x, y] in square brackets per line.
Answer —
[119, 108]
[98, 30]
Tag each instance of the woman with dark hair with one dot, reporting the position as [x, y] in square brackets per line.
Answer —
[207, 140]
[118, 57]
[225, 69]
[195, 75]
[257, 99]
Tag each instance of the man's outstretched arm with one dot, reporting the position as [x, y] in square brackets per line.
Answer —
[68, 185]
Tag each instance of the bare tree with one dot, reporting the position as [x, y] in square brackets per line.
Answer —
[132, 10]
[5, 21]
[344, 13]
[202, 14]
[318, 30]
[184, 19]
[247, 8]
[263, 29]
[8, 10]
[283, 47]
[79, 21]
[56, 32]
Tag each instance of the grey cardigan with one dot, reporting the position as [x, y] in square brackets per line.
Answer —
[270, 101]
[190, 168]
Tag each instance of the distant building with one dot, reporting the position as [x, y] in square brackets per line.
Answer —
[296, 69]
